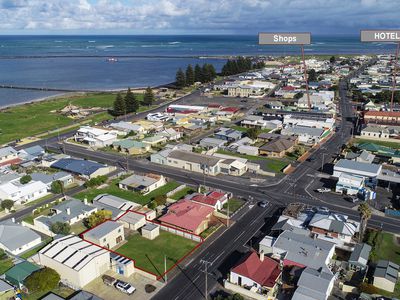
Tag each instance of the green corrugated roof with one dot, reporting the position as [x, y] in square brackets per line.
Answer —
[19, 272]
[378, 149]
[129, 144]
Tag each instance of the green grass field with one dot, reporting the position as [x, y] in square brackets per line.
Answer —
[182, 193]
[383, 245]
[5, 264]
[234, 205]
[113, 189]
[149, 254]
[34, 118]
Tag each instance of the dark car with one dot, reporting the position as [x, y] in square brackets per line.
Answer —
[108, 280]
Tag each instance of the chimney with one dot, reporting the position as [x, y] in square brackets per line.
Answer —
[68, 210]
[262, 255]
[85, 201]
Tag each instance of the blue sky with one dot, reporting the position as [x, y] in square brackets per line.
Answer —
[195, 16]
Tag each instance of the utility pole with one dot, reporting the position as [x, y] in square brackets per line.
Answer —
[205, 262]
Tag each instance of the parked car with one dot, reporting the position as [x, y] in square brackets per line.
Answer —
[323, 190]
[124, 287]
[310, 158]
[263, 204]
[352, 199]
[108, 280]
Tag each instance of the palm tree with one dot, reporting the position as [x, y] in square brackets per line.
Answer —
[365, 215]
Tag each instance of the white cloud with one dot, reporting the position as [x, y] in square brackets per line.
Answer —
[193, 16]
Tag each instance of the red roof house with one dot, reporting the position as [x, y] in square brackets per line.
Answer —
[213, 199]
[257, 271]
[188, 215]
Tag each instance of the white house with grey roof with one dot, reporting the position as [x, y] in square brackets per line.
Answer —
[314, 284]
[7, 155]
[108, 234]
[16, 239]
[386, 275]
[22, 193]
[142, 184]
[115, 204]
[69, 211]
[77, 261]
[307, 135]
[351, 167]
[64, 177]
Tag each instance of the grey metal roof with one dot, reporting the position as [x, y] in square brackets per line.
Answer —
[77, 166]
[194, 157]
[358, 166]
[49, 178]
[5, 287]
[8, 177]
[387, 269]
[313, 284]
[139, 181]
[360, 254]
[14, 236]
[149, 227]
[83, 295]
[52, 296]
[297, 130]
[103, 229]
[5, 151]
[34, 150]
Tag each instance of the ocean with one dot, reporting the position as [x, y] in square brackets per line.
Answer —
[82, 62]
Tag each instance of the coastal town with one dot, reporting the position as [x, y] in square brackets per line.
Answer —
[256, 183]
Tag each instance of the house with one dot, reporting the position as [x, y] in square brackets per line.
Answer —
[155, 140]
[131, 147]
[188, 216]
[256, 276]
[18, 273]
[6, 290]
[108, 234]
[77, 261]
[213, 199]
[23, 193]
[365, 157]
[31, 153]
[85, 168]
[248, 150]
[157, 117]
[8, 156]
[150, 231]
[127, 127]
[65, 178]
[114, 204]
[142, 184]
[170, 134]
[301, 250]
[356, 168]
[210, 142]
[233, 166]
[358, 260]
[382, 117]
[349, 184]
[69, 211]
[133, 220]
[228, 134]
[374, 131]
[336, 228]
[307, 135]
[386, 275]
[316, 120]
[314, 285]
[95, 137]
[17, 239]
[259, 122]
[278, 147]
[194, 162]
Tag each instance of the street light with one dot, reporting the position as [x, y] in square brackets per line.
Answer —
[206, 263]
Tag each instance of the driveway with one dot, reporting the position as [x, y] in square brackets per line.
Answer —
[98, 288]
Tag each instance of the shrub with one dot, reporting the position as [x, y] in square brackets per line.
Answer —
[43, 280]
[25, 179]
[99, 180]
[7, 204]
[96, 218]
[60, 228]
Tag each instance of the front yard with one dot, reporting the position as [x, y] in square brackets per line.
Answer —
[149, 254]
[234, 205]
[114, 190]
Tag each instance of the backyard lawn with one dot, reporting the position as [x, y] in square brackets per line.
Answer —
[182, 193]
[244, 129]
[5, 263]
[234, 205]
[384, 246]
[113, 189]
[149, 254]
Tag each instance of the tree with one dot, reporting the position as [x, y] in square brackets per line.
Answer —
[131, 102]
[43, 280]
[96, 181]
[189, 75]
[119, 106]
[253, 133]
[96, 218]
[25, 179]
[311, 75]
[148, 98]
[57, 187]
[7, 204]
[332, 60]
[60, 228]
[365, 214]
[180, 79]
[198, 73]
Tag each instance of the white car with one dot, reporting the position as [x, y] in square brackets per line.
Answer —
[124, 287]
[323, 190]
